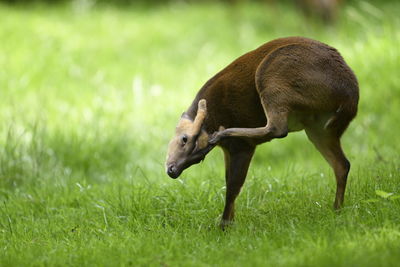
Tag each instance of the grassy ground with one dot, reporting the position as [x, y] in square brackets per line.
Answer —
[91, 95]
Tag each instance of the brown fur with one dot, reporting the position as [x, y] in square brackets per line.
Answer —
[285, 85]
[326, 10]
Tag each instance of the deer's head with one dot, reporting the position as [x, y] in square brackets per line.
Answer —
[190, 143]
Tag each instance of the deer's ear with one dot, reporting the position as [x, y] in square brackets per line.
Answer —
[202, 106]
[200, 116]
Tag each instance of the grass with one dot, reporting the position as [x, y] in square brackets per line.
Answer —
[91, 95]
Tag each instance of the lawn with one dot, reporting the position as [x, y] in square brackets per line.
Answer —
[90, 96]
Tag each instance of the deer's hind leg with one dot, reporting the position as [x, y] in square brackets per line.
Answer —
[278, 99]
[328, 144]
[276, 112]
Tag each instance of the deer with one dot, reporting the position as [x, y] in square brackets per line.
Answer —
[285, 85]
[325, 10]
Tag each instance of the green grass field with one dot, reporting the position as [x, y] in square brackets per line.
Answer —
[90, 97]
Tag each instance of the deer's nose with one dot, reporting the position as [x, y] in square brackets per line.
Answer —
[171, 171]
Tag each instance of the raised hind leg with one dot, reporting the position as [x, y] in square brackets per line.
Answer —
[328, 144]
[275, 128]
[276, 113]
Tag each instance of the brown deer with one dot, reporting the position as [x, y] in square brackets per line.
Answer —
[326, 10]
[285, 85]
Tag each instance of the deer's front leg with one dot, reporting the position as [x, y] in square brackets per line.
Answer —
[237, 161]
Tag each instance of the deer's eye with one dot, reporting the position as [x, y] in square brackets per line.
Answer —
[184, 139]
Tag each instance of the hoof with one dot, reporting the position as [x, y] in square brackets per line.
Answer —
[337, 206]
[214, 140]
[216, 137]
[224, 224]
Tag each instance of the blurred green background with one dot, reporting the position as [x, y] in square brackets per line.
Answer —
[91, 92]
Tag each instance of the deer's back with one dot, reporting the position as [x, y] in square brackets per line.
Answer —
[312, 77]
[307, 67]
